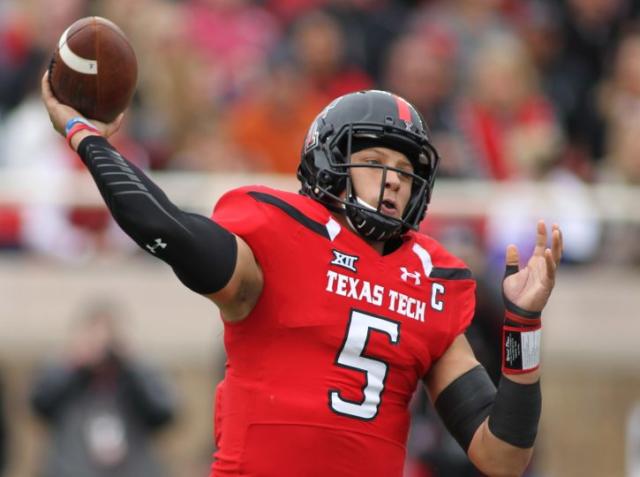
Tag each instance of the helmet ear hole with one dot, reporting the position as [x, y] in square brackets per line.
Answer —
[324, 178]
[331, 182]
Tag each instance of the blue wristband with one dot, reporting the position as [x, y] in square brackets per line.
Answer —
[76, 120]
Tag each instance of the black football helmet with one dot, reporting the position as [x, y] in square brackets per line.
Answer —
[355, 121]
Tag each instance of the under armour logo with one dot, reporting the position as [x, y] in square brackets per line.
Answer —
[345, 261]
[407, 274]
[159, 243]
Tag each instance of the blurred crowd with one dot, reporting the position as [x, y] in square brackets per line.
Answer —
[543, 91]
[513, 90]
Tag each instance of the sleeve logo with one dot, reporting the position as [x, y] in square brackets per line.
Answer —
[158, 244]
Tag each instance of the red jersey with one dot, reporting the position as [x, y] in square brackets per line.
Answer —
[320, 374]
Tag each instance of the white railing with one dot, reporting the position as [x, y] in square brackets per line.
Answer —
[455, 198]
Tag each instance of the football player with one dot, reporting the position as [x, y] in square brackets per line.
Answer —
[335, 308]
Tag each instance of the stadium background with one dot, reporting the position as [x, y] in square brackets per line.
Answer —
[534, 105]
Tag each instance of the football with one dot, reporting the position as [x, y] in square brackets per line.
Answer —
[94, 69]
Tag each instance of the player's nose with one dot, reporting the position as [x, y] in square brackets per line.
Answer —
[392, 180]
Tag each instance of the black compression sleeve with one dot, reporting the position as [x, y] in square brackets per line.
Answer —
[465, 403]
[202, 254]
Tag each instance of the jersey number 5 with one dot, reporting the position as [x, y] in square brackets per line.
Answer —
[351, 356]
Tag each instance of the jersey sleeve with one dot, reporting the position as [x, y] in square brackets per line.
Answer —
[459, 293]
[460, 303]
[240, 213]
[464, 308]
[264, 228]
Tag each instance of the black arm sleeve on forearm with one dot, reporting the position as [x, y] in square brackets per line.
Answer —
[202, 254]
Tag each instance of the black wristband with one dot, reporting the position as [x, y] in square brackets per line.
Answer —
[515, 309]
[516, 412]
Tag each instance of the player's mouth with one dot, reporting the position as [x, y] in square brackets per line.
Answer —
[389, 207]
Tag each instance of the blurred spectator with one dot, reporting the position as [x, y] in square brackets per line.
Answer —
[101, 405]
[621, 165]
[465, 24]
[28, 144]
[590, 32]
[421, 68]
[289, 10]
[207, 146]
[29, 32]
[236, 35]
[177, 87]
[538, 25]
[51, 227]
[18, 59]
[619, 105]
[511, 134]
[270, 125]
[369, 28]
[619, 101]
[319, 48]
[213, 52]
[509, 126]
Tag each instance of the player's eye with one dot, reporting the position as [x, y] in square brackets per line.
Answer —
[407, 171]
[406, 176]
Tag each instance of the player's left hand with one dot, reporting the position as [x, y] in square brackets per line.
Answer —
[530, 287]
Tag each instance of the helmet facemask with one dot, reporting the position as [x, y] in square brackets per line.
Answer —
[367, 219]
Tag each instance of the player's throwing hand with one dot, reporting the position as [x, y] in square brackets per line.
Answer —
[60, 114]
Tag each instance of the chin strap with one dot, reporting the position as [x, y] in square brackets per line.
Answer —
[370, 224]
